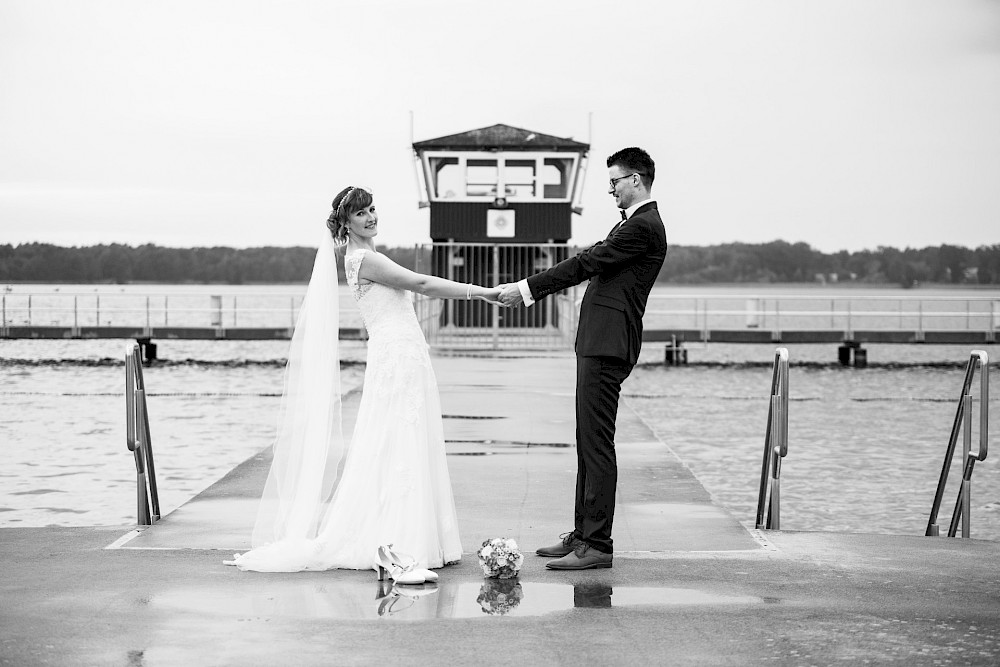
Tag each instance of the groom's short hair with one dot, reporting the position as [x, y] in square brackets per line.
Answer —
[635, 160]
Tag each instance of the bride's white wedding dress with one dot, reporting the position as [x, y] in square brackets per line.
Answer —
[394, 487]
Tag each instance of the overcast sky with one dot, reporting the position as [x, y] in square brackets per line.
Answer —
[845, 124]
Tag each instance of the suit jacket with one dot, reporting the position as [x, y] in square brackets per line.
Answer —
[622, 269]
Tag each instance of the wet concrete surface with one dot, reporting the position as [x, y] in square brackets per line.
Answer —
[809, 598]
[690, 585]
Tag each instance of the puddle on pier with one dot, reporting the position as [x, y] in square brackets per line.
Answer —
[356, 600]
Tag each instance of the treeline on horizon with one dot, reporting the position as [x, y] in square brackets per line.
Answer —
[774, 262]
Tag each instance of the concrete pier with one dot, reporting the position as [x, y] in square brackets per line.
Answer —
[690, 584]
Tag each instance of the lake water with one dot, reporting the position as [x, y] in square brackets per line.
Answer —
[865, 445]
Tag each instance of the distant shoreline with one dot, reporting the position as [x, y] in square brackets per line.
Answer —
[774, 263]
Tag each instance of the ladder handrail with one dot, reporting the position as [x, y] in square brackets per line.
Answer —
[775, 446]
[137, 438]
[963, 418]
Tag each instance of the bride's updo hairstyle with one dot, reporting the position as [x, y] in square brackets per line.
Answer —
[348, 201]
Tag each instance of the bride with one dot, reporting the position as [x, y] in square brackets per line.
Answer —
[328, 503]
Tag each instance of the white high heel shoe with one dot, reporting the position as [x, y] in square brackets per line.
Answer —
[387, 562]
[410, 564]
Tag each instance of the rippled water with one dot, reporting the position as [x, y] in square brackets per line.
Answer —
[212, 405]
[865, 446]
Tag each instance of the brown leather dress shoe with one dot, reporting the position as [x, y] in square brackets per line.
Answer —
[583, 557]
[565, 546]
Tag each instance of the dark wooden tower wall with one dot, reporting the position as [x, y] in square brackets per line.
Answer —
[501, 184]
[536, 223]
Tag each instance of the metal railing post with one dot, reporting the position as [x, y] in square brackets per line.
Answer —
[775, 446]
[449, 304]
[138, 440]
[966, 483]
[963, 422]
[496, 281]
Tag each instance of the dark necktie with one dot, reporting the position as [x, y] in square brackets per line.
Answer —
[624, 217]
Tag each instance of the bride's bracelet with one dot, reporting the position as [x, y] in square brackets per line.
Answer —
[468, 292]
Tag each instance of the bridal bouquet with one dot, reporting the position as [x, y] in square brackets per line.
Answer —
[500, 558]
[499, 596]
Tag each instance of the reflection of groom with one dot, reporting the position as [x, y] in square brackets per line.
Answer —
[621, 270]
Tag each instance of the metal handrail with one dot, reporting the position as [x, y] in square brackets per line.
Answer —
[979, 314]
[137, 438]
[963, 424]
[717, 311]
[775, 446]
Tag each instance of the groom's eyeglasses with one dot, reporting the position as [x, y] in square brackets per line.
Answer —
[614, 181]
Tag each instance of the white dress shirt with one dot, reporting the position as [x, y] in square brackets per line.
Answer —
[522, 285]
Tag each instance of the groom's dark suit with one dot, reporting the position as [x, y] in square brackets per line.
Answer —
[622, 269]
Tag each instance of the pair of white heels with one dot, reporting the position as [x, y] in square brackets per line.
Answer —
[402, 569]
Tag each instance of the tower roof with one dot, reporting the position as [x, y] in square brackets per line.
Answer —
[500, 136]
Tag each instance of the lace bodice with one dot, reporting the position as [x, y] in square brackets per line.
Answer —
[387, 311]
[397, 350]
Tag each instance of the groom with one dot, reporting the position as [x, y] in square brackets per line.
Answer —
[621, 270]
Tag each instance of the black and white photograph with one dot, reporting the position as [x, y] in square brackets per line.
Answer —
[444, 333]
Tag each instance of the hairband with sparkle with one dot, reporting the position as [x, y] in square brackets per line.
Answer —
[344, 198]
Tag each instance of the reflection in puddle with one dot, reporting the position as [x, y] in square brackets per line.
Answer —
[355, 600]
[498, 597]
[507, 444]
[394, 599]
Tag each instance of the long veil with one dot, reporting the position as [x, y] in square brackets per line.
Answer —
[309, 444]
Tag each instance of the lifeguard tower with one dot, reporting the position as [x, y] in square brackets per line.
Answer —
[501, 202]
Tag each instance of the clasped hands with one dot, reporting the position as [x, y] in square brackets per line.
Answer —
[509, 295]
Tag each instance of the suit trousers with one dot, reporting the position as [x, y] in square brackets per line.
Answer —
[598, 386]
